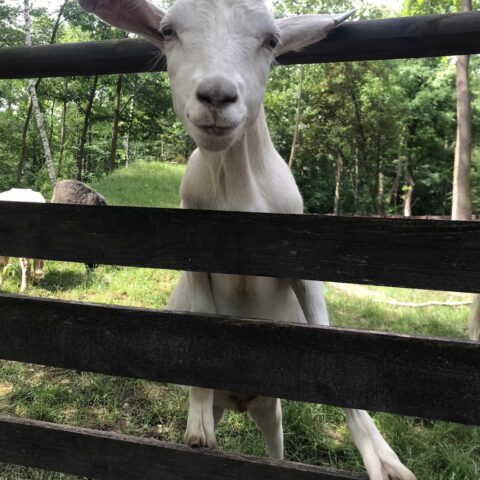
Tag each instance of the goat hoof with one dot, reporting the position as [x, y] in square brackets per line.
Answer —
[392, 468]
[196, 439]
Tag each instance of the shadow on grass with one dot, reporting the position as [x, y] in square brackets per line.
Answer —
[61, 281]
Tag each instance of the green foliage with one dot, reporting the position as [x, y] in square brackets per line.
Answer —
[9, 35]
[148, 128]
[374, 117]
[426, 7]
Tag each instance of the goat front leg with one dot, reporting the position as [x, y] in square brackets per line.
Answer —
[310, 297]
[381, 462]
[200, 424]
[25, 263]
[38, 273]
[200, 430]
[202, 300]
[267, 414]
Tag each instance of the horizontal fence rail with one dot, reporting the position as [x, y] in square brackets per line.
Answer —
[425, 377]
[109, 456]
[406, 37]
[426, 254]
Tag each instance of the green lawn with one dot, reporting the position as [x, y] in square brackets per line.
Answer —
[143, 185]
[313, 434]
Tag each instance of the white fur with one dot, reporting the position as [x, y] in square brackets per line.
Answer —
[218, 61]
[474, 325]
[23, 195]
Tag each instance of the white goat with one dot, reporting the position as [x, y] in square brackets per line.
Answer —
[23, 195]
[218, 55]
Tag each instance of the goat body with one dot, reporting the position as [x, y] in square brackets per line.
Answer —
[23, 195]
[218, 56]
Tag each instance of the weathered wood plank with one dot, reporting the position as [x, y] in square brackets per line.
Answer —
[407, 37]
[439, 255]
[431, 378]
[85, 58]
[109, 456]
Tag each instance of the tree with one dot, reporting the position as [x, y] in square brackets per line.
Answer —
[297, 116]
[34, 100]
[462, 202]
[86, 125]
[23, 152]
[116, 121]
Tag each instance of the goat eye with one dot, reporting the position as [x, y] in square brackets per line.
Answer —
[168, 32]
[271, 42]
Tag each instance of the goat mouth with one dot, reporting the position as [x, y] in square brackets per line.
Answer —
[215, 130]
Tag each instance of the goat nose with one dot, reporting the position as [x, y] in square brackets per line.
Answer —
[217, 92]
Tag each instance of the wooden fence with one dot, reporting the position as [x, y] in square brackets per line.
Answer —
[428, 377]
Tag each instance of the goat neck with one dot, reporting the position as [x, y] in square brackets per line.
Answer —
[249, 175]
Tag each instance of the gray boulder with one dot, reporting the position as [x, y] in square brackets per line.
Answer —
[73, 191]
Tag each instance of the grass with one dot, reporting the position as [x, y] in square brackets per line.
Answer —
[143, 185]
[314, 434]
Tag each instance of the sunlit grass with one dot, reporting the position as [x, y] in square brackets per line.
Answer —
[143, 185]
[314, 434]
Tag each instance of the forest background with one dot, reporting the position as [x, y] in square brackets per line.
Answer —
[363, 138]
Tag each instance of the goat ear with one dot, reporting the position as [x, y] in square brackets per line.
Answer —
[136, 16]
[303, 30]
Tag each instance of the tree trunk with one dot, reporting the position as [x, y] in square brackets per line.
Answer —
[86, 122]
[407, 206]
[462, 202]
[116, 121]
[408, 201]
[42, 132]
[63, 134]
[36, 107]
[298, 116]
[393, 194]
[88, 161]
[361, 140]
[23, 152]
[128, 147]
[381, 189]
[394, 191]
[57, 22]
[356, 182]
[338, 181]
[52, 118]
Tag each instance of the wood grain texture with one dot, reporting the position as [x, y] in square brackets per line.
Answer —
[77, 59]
[109, 456]
[406, 37]
[425, 377]
[438, 255]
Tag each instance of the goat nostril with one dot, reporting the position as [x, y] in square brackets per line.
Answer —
[217, 92]
[217, 100]
[204, 98]
[230, 99]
